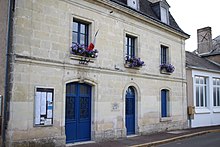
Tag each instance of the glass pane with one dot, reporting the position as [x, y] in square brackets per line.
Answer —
[214, 95]
[218, 82]
[214, 81]
[84, 89]
[201, 80]
[74, 37]
[218, 97]
[205, 96]
[163, 15]
[75, 26]
[82, 28]
[84, 107]
[82, 39]
[201, 97]
[197, 96]
[70, 107]
[197, 80]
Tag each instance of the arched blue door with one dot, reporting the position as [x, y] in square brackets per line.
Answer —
[130, 111]
[78, 112]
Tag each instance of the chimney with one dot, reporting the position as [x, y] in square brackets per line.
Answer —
[204, 40]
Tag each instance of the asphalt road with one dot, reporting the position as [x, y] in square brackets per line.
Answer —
[207, 140]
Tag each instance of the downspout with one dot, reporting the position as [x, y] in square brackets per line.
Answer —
[8, 70]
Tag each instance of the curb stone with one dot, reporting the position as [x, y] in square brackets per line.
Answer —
[175, 138]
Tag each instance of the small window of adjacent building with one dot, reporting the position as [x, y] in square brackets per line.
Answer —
[216, 92]
[164, 54]
[80, 32]
[165, 103]
[44, 106]
[201, 91]
[164, 15]
[130, 46]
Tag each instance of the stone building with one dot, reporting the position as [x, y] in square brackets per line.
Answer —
[66, 91]
[203, 80]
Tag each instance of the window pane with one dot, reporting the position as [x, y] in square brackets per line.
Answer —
[218, 82]
[214, 95]
[218, 97]
[201, 97]
[201, 80]
[197, 96]
[164, 15]
[205, 96]
[82, 28]
[197, 80]
[84, 89]
[130, 46]
[214, 81]
[75, 26]
[74, 37]
[82, 39]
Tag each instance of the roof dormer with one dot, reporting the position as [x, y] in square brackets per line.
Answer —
[133, 4]
[161, 8]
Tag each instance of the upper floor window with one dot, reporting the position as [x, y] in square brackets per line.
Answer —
[80, 32]
[216, 92]
[201, 91]
[165, 103]
[164, 54]
[164, 15]
[130, 46]
[133, 4]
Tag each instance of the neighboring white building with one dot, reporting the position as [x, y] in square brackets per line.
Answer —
[64, 93]
[203, 81]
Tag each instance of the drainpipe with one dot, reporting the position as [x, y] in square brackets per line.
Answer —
[7, 72]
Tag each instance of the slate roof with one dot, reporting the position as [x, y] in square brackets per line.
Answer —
[193, 60]
[146, 9]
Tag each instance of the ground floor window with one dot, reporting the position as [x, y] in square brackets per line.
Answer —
[201, 91]
[216, 92]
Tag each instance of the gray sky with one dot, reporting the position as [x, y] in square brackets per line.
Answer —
[194, 14]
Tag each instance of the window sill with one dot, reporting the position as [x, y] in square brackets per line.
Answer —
[165, 119]
[77, 57]
[202, 110]
[127, 66]
[163, 71]
[216, 109]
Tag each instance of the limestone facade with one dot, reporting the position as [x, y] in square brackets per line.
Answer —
[42, 39]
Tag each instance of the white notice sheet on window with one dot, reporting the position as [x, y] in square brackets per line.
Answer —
[43, 103]
[37, 106]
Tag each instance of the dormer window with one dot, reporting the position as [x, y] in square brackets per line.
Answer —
[133, 4]
[161, 9]
[164, 15]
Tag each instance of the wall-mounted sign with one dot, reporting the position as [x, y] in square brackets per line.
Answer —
[44, 106]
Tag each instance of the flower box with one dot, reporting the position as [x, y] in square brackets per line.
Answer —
[133, 62]
[167, 68]
[82, 50]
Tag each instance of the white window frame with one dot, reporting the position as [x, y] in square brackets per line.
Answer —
[217, 92]
[204, 86]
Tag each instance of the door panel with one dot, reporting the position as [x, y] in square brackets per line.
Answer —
[78, 112]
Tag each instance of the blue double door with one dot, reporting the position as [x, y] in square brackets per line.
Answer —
[130, 111]
[78, 112]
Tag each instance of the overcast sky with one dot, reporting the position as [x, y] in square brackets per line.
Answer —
[194, 14]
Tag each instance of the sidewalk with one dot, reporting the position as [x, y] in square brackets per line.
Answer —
[153, 139]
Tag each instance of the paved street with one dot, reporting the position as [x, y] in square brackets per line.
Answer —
[206, 140]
